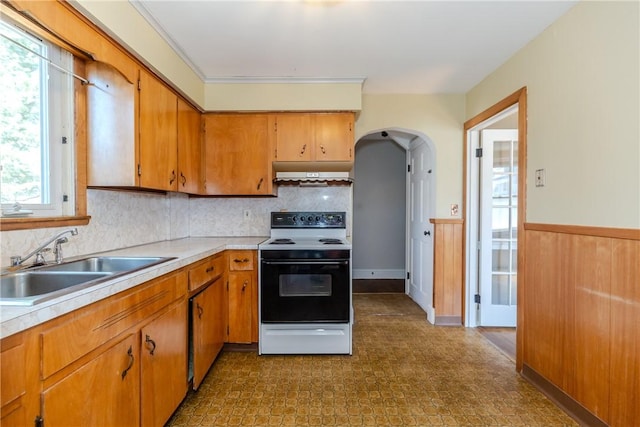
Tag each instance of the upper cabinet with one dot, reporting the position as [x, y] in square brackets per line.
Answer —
[315, 137]
[140, 134]
[238, 151]
[158, 112]
[189, 149]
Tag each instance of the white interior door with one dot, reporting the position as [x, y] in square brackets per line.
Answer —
[498, 227]
[420, 230]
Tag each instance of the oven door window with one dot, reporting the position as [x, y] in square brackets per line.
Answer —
[303, 291]
[305, 285]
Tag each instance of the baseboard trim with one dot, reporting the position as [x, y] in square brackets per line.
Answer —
[568, 404]
[448, 320]
[378, 274]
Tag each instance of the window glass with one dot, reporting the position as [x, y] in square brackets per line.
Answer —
[36, 126]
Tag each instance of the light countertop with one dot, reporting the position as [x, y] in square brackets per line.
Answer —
[186, 251]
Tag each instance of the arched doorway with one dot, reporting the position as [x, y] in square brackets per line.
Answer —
[393, 200]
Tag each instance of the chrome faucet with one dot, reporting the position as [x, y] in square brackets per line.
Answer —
[38, 252]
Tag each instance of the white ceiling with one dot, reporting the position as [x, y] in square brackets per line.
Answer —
[394, 46]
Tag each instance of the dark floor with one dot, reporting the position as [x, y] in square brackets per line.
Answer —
[371, 286]
[403, 372]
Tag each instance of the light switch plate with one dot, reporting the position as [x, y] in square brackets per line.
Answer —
[540, 178]
[454, 209]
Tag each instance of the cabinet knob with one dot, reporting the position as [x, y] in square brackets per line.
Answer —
[427, 233]
[210, 269]
[148, 340]
[323, 150]
[236, 260]
[260, 183]
[131, 360]
[183, 179]
[173, 177]
[244, 285]
[304, 148]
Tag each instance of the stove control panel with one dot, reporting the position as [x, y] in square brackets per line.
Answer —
[308, 220]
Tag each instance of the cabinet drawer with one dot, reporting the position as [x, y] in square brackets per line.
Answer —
[205, 271]
[86, 329]
[241, 260]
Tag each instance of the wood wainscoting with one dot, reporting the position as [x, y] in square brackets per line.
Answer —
[582, 317]
[448, 270]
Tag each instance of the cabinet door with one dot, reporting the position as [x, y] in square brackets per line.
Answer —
[294, 142]
[111, 136]
[240, 307]
[207, 316]
[189, 149]
[164, 365]
[158, 134]
[104, 392]
[333, 136]
[238, 154]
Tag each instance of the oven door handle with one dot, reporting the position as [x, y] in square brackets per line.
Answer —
[306, 262]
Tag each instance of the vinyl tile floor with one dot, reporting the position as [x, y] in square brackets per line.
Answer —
[403, 372]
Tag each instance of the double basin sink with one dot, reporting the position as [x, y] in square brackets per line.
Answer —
[29, 287]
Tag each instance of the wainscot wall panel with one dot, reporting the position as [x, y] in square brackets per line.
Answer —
[581, 316]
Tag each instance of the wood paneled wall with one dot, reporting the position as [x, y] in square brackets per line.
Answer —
[582, 316]
[448, 270]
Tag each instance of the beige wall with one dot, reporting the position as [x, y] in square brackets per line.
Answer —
[283, 96]
[582, 76]
[440, 118]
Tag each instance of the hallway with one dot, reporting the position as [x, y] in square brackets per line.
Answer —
[403, 372]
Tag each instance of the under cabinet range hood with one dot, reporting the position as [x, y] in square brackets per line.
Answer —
[313, 173]
[313, 179]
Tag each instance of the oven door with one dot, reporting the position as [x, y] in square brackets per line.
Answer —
[305, 290]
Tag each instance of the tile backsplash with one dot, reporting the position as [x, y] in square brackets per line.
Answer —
[250, 216]
[125, 218]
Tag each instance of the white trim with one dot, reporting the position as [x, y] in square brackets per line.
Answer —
[379, 274]
[284, 80]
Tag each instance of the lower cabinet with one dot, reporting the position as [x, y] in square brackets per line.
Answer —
[242, 289]
[119, 362]
[207, 328]
[163, 359]
[105, 391]
[240, 316]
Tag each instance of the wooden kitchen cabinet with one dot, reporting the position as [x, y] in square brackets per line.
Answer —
[238, 154]
[19, 385]
[158, 115]
[189, 149]
[242, 297]
[140, 134]
[208, 328]
[104, 391]
[164, 363]
[314, 137]
[208, 314]
[96, 367]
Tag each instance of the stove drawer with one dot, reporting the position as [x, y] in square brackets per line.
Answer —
[241, 260]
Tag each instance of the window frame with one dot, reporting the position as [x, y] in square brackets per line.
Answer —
[79, 216]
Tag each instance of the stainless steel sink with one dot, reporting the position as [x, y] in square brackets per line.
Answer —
[47, 282]
[31, 287]
[108, 264]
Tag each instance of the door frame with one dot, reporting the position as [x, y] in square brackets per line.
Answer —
[407, 138]
[520, 98]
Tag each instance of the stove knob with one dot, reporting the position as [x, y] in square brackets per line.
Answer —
[317, 219]
[295, 218]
